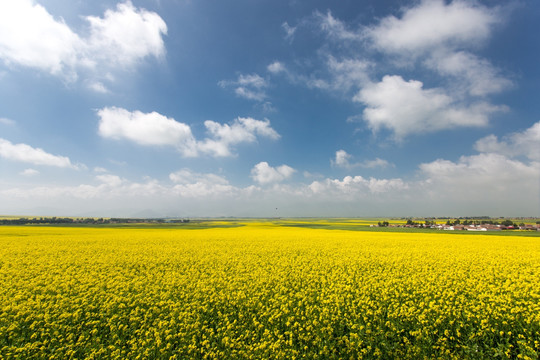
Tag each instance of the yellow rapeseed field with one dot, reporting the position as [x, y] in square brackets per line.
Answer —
[262, 291]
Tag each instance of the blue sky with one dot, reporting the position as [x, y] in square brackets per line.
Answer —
[269, 108]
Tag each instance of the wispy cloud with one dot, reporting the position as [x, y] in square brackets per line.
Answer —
[251, 86]
[6, 121]
[343, 160]
[29, 172]
[289, 31]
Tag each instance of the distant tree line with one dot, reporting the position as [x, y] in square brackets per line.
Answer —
[89, 221]
[429, 222]
[52, 220]
[506, 222]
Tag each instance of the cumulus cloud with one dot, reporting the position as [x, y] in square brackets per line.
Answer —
[28, 154]
[434, 24]
[342, 159]
[146, 129]
[263, 173]
[405, 107]
[251, 87]
[154, 129]
[439, 32]
[31, 37]
[126, 35]
[525, 143]
[225, 136]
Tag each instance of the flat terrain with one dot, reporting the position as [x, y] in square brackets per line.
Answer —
[279, 289]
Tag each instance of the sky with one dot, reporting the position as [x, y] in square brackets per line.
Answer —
[263, 108]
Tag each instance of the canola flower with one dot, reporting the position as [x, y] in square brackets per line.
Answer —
[266, 292]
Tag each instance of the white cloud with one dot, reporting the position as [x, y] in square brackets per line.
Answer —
[342, 159]
[526, 143]
[31, 37]
[154, 129]
[438, 32]
[405, 107]
[146, 129]
[126, 35]
[265, 174]
[100, 169]
[29, 172]
[242, 130]
[36, 156]
[276, 67]
[477, 75]
[434, 24]
[250, 87]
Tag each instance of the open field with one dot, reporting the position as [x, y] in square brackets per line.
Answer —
[278, 289]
